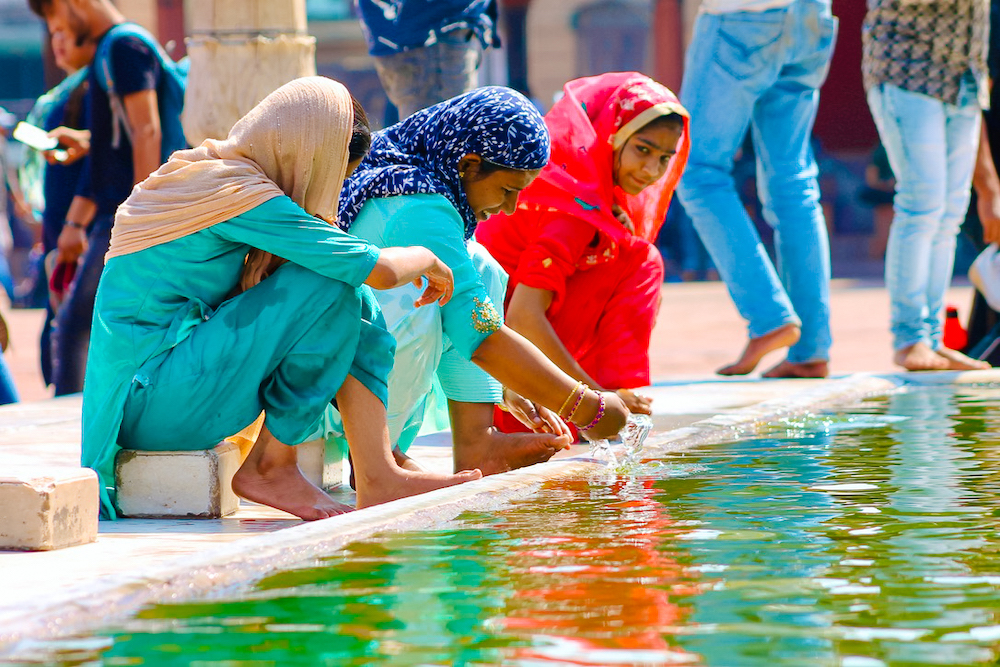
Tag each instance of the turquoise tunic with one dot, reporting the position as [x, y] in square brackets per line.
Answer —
[434, 342]
[177, 365]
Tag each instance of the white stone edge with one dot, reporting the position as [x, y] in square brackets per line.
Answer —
[237, 565]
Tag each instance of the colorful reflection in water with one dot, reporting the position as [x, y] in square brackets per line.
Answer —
[862, 538]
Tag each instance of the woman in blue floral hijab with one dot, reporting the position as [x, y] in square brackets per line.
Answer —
[428, 181]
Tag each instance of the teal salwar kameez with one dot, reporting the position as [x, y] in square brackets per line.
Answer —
[177, 364]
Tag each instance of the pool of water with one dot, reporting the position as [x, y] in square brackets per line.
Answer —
[859, 538]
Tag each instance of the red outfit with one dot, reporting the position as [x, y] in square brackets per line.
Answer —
[564, 237]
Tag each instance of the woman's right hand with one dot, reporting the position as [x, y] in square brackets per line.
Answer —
[440, 284]
[613, 421]
[400, 265]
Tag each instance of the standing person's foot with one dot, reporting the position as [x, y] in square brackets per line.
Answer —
[920, 357]
[961, 362]
[757, 348]
[800, 369]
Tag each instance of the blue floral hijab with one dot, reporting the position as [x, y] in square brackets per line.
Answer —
[421, 153]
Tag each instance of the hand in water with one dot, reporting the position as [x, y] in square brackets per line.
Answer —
[636, 403]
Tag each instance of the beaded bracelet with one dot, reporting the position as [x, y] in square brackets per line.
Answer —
[579, 400]
[597, 417]
[568, 399]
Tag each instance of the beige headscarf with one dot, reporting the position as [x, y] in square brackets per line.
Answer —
[295, 142]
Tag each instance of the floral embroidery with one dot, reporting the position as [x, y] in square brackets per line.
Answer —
[485, 318]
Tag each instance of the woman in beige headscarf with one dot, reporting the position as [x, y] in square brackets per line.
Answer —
[177, 362]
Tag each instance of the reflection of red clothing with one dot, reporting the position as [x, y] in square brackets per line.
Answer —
[564, 236]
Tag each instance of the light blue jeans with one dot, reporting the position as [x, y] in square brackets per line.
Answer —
[417, 78]
[932, 149]
[762, 70]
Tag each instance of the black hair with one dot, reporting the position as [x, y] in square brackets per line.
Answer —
[40, 7]
[361, 137]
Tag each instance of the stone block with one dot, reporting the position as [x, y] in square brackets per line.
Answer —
[321, 463]
[47, 507]
[178, 484]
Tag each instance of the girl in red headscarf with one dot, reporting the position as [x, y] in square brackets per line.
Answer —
[585, 275]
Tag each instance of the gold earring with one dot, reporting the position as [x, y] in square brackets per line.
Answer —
[461, 174]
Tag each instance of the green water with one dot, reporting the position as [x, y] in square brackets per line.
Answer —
[861, 538]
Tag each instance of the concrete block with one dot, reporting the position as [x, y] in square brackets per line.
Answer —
[47, 507]
[321, 463]
[174, 484]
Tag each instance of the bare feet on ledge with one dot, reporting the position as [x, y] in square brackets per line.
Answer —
[960, 362]
[757, 348]
[499, 452]
[920, 357]
[803, 369]
[402, 483]
[277, 482]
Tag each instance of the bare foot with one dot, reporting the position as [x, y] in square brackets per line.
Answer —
[401, 459]
[803, 369]
[405, 462]
[499, 452]
[920, 357]
[960, 362]
[784, 336]
[277, 482]
[400, 483]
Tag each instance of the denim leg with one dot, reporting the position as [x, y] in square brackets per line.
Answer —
[732, 57]
[72, 330]
[931, 147]
[418, 78]
[782, 126]
[962, 142]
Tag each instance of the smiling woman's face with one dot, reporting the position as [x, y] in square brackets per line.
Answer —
[643, 158]
[492, 190]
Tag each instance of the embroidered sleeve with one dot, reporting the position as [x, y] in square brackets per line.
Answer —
[485, 318]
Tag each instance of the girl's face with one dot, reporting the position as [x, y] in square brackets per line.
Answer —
[495, 191]
[70, 57]
[642, 160]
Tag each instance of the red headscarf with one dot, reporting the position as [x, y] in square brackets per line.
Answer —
[595, 116]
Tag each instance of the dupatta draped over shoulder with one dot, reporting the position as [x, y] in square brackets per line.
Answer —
[595, 117]
[420, 154]
[277, 148]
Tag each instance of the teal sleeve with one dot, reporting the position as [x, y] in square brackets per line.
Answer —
[432, 222]
[280, 227]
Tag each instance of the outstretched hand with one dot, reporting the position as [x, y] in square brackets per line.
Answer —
[536, 417]
[440, 284]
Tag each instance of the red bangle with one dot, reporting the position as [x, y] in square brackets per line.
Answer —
[597, 418]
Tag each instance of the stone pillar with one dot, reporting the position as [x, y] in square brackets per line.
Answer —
[240, 51]
[668, 43]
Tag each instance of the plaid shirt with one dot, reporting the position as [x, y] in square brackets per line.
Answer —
[926, 46]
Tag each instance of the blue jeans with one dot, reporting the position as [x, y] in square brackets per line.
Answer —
[762, 70]
[420, 77]
[932, 149]
[71, 335]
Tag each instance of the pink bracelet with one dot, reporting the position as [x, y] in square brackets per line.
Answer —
[579, 399]
[597, 418]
